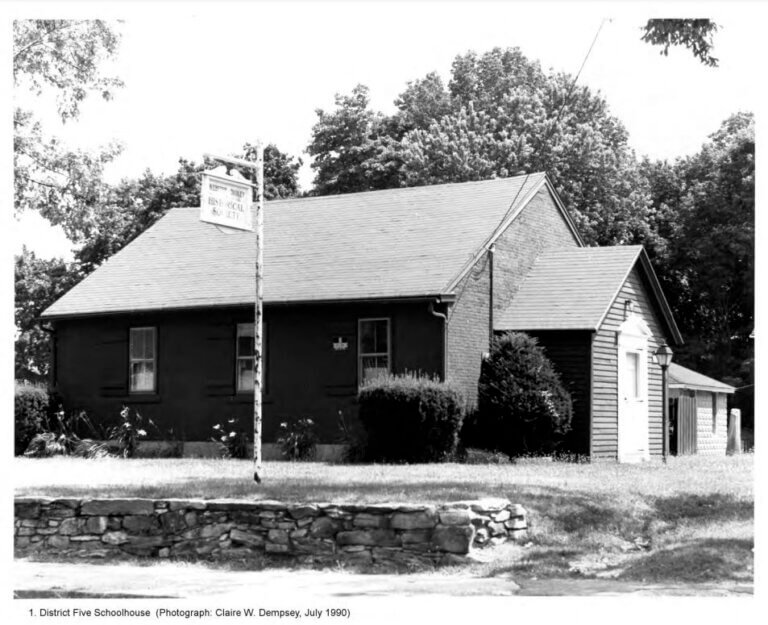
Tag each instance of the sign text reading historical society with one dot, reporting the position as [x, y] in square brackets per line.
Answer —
[225, 199]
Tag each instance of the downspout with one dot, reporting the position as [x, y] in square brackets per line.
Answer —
[491, 251]
[444, 317]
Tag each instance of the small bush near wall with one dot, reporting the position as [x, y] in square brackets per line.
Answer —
[30, 410]
[410, 419]
[523, 407]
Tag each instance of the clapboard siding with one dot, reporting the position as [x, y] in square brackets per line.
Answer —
[605, 371]
[569, 353]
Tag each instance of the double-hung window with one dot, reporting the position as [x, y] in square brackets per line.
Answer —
[143, 360]
[374, 353]
[245, 359]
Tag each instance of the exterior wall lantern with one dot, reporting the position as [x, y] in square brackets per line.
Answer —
[663, 356]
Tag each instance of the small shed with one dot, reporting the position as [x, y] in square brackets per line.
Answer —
[698, 413]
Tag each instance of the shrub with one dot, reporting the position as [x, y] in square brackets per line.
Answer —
[410, 419]
[232, 439]
[297, 440]
[353, 440]
[522, 405]
[30, 411]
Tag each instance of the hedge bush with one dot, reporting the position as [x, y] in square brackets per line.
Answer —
[523, 407]
[30, 412]
[410, 418]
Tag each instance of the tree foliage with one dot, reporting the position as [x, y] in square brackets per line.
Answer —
[694, 34]
[67, 57]
[38, 283]
[499, 115]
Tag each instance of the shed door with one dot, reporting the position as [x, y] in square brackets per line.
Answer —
[686, 425]
[633, 390]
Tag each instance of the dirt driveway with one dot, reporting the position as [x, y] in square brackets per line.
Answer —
[194, 581]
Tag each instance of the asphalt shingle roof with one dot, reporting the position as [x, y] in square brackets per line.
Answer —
[569, 289]
[381, 244]
[680, 376]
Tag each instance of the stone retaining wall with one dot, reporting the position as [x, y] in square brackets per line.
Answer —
[235, 529]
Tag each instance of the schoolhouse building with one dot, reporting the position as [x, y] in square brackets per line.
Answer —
[402, 280]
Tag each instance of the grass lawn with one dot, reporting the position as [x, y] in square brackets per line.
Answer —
[691, 520]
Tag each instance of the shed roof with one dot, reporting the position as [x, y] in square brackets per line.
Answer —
[573, 288]
[682, 377]
[397, 243]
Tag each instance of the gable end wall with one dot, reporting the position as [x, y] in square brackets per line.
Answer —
[605, 373]
[539, 226]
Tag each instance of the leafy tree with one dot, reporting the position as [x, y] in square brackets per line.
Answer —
[39, 282]
[694, 34]
[65, 56]
[500, 115]
[352, 149]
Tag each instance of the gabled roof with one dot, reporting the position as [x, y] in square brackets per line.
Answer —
[573, 288]
[398, 243]
[682, 377]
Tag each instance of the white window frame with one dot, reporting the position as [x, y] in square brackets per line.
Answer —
[252, 356]
[361, 355]
[239, 357]
[132, 360]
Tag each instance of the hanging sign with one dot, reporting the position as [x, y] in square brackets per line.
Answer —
[226, 199]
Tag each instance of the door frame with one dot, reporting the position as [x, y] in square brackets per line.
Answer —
[633, 443]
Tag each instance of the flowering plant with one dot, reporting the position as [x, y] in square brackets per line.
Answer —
[128, 432]
[231, 438]
[297, 439]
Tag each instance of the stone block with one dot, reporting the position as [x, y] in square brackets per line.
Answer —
[414, 520]
[301, 512]
[26, 509]
[140, 524]
[276, 548]
[115, 538]
[501, 516]
[455, 516]
[516, 524]
[246, 538]
[214, 530]
[172, 522]
[377, 538]
[300, 533]
[190, 518]
[411, 537]
[26, 531]
[496, 529]
[324, 527]
[279, 537]
[453, 538]
[96, 524]
[59, 511]
[114, 523]
[366, 519]
[85, 538]
[72, 526]
[481, 536]
[186, 504]
[105, 507]
[58, 542]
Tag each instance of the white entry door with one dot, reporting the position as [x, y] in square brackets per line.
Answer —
[633, 391]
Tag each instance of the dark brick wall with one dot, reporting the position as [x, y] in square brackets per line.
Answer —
[539, 226]
[305, 377]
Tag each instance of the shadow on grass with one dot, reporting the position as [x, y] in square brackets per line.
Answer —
[703, 560]
[710, 508]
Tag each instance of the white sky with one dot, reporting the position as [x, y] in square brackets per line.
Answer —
[204, 77]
